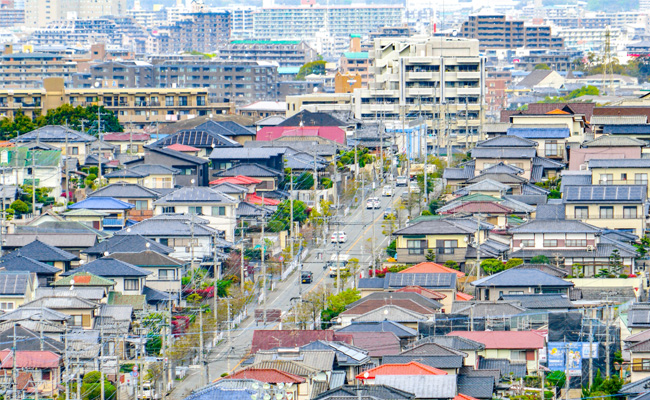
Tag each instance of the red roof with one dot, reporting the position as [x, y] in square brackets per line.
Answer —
[266, 339]
[125, 137]
[255, 199]
[464, 397]
[30, 359]
[268, 375]
[504, 339]
[237, 180]
[460, 296]
[181, 147]
[377, 344]
[334, 133]
[412, 368]
[430, 268]
[428, 293]
[479, 207]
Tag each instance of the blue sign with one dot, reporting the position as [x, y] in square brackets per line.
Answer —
[565, 357]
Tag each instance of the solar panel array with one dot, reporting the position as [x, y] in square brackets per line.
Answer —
[195, 138]
[422, 280]
[605, 193]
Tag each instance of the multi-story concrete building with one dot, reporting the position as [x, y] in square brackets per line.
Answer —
[79, 32]
[557, 60]
[597, 20]
[140, 108]
[585, 39]
[356, 61]
[496, 32]
[496, 98]
[242, 22]
[201, 31]
[287, 53]
[116, 74]
[10, 15]
[438, 79]
[306, 22]
[27, 70]
[42, 12]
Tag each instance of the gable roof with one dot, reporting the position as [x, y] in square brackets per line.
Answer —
[535, 77]
[554, 226]
[40, 251]
[377, 344]
[481, 387]
[502, 168]
[269, 375]
[428, 293]
[196, 194]
[201, 138]
[308, 118]
[430, 267]
[63, 303]
[252, 170]
[127, 244]
[28, 340]
[542, 301]
[110, 267]
[452, 342]
[504, 339]
[432, 349]
[84, 279]
[423, 386]
[225, 128]
[411, 368]
[54, 134]
[148, 258]
[640, 386]
[270, 339]
[17, 262]
[229, 188]
[484, 185]
[521, 278]
[179, 155]
[398, 329]
[247, 153]
[437, 226]
[392, 313]
[389, 298]
[125, 190]
[29, 359]
[614, 141]
[170, 225]
[366, 392]
[101, 203]
[236, 180]
[507, 141]
[473, 207]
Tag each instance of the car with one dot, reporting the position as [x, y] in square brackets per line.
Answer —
[338, 237]
[387, 191]
[388, 212]
[341, 260]
[401, 181]
[414, 188]
[373, 202]
[306, 276]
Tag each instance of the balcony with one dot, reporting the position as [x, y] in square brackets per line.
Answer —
[468, 75]
[428, 75]
[113, 222]
[423, 91]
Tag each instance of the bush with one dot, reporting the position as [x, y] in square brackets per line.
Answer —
[623, 276]
[513, 262]
[492, 266]
[20, 207]
[452, 264]
[540, 259]
[391, 250]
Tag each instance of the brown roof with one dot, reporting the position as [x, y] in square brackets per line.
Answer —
[428, 293]
[622, 111]
[588, 109]
[268, 375]
[371, 305]
[377, 344]
[271, 339]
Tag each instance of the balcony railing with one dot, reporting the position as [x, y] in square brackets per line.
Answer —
[606, 216]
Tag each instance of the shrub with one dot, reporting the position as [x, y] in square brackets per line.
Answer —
[452, 264]
[513, 262]
[540, 259]
[492, 266]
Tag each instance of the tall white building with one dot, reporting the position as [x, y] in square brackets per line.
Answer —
[42, 12]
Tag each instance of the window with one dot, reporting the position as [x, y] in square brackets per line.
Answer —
[195, 210]
[515, 292]
[46, 374]
[169, 101]
[131, 284]
[576, 243]
[416, 247]
[606, 212]
[550, 242]
[629, 212]
[581, 212]
[77, 320]
[166, 274]
[640, 179]
[74, 151]
[641, 364]
[550, 149]
[447, 246]
[623, 177]
[606, 179]
[140, 204]
[527, 243]
[6, 305]
[221, 210]
[518, 355]
[169, 210]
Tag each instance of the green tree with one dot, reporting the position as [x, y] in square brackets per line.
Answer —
[73, 117]
[452, 264]
[492, 266]
[513, 262]
[20, 207]
[543, 66]
[539, 259]
[91, 387]
[281, 219]
[304, 181]
[391, 250]
[20, 124]
[313, 67]
[336, 303]
[615, 262]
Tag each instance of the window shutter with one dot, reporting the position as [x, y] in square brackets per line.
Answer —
[637, 364]
[85, 320]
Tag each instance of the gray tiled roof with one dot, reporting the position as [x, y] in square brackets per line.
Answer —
[251, 170]
[529, 189]
[423, 386]
[432, 349]
[125, 190]
[39, 251]
[229, 188]
[508, 368]
[605, 193]
[503, 152]
[614, 141]
[16, 262]
[454, 342]
[34, 314]
[398, 329]
[388, 296]
[179, 155]
[530, 199]
[555, 226]
[196, 194]
[375, 391]
[540, 132]
[29, 340]
[459, 173]
[346, 354]
[507, 141]
[63, 303]
[308, 118]
[497, 177]
[226, 128]
[640, 386]
[548, 268]
[478, 309]
[127, 244]
[521, 278]
[575, 180]
[502, 168]
[620, 163]
[245, 209]
[550, 211]
[109, 267]
[54, 134]
[148, 258]
[154, 169]
[547, 163]
[539, 301]
[440, 226]
[245, 153]
[392, 313]
[88, 293]
[161, 227]
[479, 387]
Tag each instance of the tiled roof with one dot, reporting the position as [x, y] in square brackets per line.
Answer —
[63, 303]
[179, 155]
[507, 141]
[502, 168]
[503, 152]
[102, 203]
[430, 267]
[376, 343]
[505, 178]
[392, 313]
[308, 118]
[35, 314]
[196, 194]
[635, 129]
[388, 297]
[398, 329]
[237, 180]
[148, 258]
[229, 188]
[619, 163]
[615, 141]
[246, 209]
[218, 393]
[331, 133]
[508, 368]
[270, 375]
[640, 386]
[247, 153]
[432, 349]
[291, 367]
[540, 132]
[39, 251]
[423, 386]
[125, 136]
[480, 387]
[29, 340]
[54, 134]
[442, 362]
[439, 226]
[85, 292]
[521, 278]
[504, 339]
[257, 199]
[30, 359]
[453, 342]
[460, 296]
[366, 392]
[487, 309]
[458, 173]
[540, 300]
[83, 279]
[461, 396]
[110, 267]
[428, 293]
[181, 147]
[372, 305]
[554, 226]
[473, 207]
[252, 170]
[484, 185]
[271, 339]
[125, 190]
[345, 354]
[412, 368]
[15, 262]
[169, 224]
[127, 244]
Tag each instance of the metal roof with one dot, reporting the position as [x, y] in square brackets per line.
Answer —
[542, 132]
[605, 193]
[54, 134]
[442, 280]
[102, 203]
[398, 329]
[521, 278]
[423, 386]
[15, 282]
[620, 163]
[196, 194]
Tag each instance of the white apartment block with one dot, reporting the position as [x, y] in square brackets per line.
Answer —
[434, 78]
[593, 40]
[42, 12]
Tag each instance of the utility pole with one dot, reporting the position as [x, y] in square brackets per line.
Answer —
[591, 360]
[478, 246]
[34, 178]
[101, 358]
[241, 256]
[291, 216]
[229, 329]
[14, 369]
[99, 136]
[338, 257]
[204, 364]
[609, 317]
[65, 360]
[192, 241]
[263, 244]
[566, 364]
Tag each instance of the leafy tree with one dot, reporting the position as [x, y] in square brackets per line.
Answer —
[452, 264]
[605, 387]
[492, 266]
[20, 207]
[20, 124]
[91, 387]
[304, 181]
[281, 219]
[336, 303]
[73, 116]
[430, 256]
[539, 259]
[643, 246]
[313, 67]
[434, 205]
[513, 262]
[543, 66]
[391, 250]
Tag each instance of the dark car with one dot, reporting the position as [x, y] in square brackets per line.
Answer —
[306, 277]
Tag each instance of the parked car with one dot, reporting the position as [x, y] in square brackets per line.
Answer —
[401, 181]
[306, 276]
[338, 237]
[415, 188]
[388, 212]
[373, 202]
[387, 191]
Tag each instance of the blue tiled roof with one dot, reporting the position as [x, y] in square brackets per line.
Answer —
[627, 129]
[102, 203]
[218, 393]
[521, 278]
[539, 133]
[109, 267]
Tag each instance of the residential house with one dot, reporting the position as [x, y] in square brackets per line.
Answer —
[268, 339]
[140, 197]
[605, 147]
[551, 139]
[125, 244]
[407, 370]
[446, 239]
[129, 279]
[177, 231]
[627, 171]
[91, 218]
[71, 143]
[214, 206]
[44, 366]
[66, 235]
[298, 388]
[404, 333]
[230, 129]
[387, 302]
[81, 311]
[79, 281]
[244, 181]
[638, 346]
[469, 347]
[619, 207]
[375, 391]
[165, 271]
[512, 345]
[202, 137]
[564, 117]
[377, 344]
[21, 165]
[444, 283]
[434, 351]
[151, 176]
[568, 242]
[423, 386]
[127, 142]
[45, 273]
[518, 281]
[16, 289]
[193, 171]
[28, 340]
[540, 302]
[235, 191]
[348, 358]
[49, 322]
[45, 253]
[269, 177]
[225, 158]
[115, 209]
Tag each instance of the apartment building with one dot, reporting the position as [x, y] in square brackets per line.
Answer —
[10, 15]
[27, 70]
[557, 60]
[287, 53]
[201, 31]
[438, 79]
[242, 22]
[355, 61]
[496, 32]
[77, 33]
[116, 74]
[597, 21]
[39, 13]
[306, 22]
[139, 107]
[587, 39]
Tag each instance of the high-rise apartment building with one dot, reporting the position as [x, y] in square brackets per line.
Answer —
[43, 12]
[433, 79]
[201, 31]
[497, 32]
[287, 53]
[27, 70]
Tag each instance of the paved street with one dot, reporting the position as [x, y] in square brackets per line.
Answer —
[358, 229]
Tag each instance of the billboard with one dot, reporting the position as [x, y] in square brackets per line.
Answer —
[566, 357]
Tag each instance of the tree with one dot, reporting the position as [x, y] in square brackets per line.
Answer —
[452, 264]
[615, 262]
[304, 181]
[281, 219]
[513, 262]
[434, 205]
[313, 67]
[336, 303]
[540, 259]
[20, 207]
[543, 66]
[91, 387]
[20, 124]
[391, 250]
[73, 117]
[492, 266]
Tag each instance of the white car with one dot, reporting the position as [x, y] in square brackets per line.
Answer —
[414, 187]
[387, 191]
[373, 202]
[338, 237]
[401, 181]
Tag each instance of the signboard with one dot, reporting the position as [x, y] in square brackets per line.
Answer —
[590, 354]
[567, 356]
